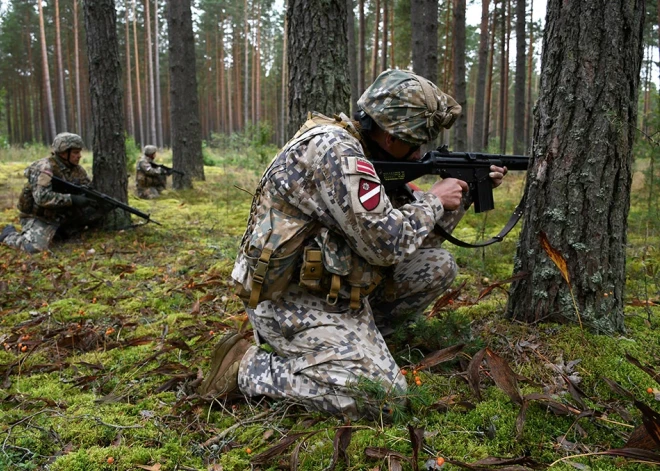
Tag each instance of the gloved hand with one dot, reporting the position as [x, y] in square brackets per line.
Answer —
[81, 201]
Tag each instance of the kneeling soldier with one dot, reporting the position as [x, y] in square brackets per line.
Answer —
[149, 179]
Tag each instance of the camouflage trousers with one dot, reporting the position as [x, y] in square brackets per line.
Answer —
[37, 234]
[149, 193]
[321, 351]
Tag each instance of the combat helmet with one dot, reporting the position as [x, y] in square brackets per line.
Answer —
[65, 141]
[150, 150]
[408, 106]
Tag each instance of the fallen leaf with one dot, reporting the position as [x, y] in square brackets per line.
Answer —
[555, 256]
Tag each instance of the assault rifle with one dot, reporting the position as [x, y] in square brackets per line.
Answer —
[472, 168]
[63, 186]
[168, 170]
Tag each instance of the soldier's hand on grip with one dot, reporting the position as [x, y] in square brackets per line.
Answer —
[81, 201]
[450, 192]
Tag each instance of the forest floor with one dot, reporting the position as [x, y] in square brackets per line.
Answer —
[104, 337]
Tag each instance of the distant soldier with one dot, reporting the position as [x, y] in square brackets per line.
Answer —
[150, 179]
[45, 212]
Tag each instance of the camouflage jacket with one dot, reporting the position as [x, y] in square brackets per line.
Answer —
[38, 197]
[322, 186]
[146, 175]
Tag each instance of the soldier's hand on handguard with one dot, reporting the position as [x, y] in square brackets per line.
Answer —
[450, 192]
[81, 201]
[497, 174]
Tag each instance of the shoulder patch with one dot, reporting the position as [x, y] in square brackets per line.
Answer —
[360, 165]
[367, 195]
[44, 178]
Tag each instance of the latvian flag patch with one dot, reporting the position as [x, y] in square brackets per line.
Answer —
[364, 166]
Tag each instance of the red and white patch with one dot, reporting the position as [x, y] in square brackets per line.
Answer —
[369, 194]
[364, 166]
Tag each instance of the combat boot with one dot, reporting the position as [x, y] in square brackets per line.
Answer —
[6, 231]
[225, 361]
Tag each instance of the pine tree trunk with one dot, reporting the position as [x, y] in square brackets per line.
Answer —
[578, 185]
[503, 90]
[392, 66]
[480, 94]
[352, 53]
[318, 62]
[284, 109]
[374, 52]
[519, 98]
[63, 126]
[530, 62]
[129, 81]
[138, 87]
[448, 56]
[46, 77]
[109, 167]
[246, 75]
[383, 58]
[184, 108]
[150, 70]
[460, 94]
[159, 96]
[424, 23]
[489, 83]
[258, 68]
[362, 65]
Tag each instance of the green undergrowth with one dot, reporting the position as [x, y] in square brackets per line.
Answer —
[103, 338]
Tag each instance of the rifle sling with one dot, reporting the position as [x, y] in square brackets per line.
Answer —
[513, 220]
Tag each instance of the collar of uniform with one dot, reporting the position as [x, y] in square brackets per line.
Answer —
[63, 164]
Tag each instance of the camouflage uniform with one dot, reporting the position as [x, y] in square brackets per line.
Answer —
[149, 180]
[46, 212]
[322, 193]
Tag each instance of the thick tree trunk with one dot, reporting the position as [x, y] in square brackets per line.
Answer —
[352, 60]
[184, 107]
[480, 95]
[424, 22]
[460, 93]
[63, 126]
[318, 62]
[519, 96]
[46, 76]
[109, 167]
[578, 186]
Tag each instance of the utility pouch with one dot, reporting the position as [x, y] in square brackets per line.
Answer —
[271, 254]
[311, 270]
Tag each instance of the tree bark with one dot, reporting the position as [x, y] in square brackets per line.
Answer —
[424, 22]
[489, 83]
[362, 66]
[478, 126]
[460, 93]
[143, 139]
[46, 76]
[374, 51]
[159, 98]
[519, 96]
[129, 81]
[184, 104]
[246, 75]
[109, 166]
[578, 185]
[530, 63]
[383, 56]
[352, 60]
[63, 126]
[284, 110]
[504, 66]
[153, 139]
[318, 62]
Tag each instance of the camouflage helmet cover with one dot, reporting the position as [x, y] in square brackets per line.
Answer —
[150, 150]
[65, 141]
[408, 106]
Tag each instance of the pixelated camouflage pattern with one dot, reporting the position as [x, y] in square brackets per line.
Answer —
[65, 141]
[397, 103]
[150, 181]
[322, 350]
[45, 211]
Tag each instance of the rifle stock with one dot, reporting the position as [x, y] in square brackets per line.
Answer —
[74, 189]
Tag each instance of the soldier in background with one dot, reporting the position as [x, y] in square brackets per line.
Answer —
[47, 213]
[149, 179]
[330, 262]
